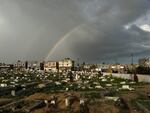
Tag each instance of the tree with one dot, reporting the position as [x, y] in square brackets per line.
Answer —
[143, 70]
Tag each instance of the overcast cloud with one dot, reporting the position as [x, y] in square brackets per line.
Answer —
[94, 30]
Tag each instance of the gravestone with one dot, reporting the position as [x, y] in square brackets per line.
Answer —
[125, 87]
[13, 93]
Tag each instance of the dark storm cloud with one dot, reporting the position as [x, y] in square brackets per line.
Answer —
[104, 37]
[29, 29]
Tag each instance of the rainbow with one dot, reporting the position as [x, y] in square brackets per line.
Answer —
[62, 39]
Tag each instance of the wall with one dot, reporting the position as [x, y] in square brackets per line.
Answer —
[142, 78]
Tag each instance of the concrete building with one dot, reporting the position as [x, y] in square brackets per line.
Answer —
[66, 64]
[118, 68]
[4, 66]
[19, 64]
[90, 67]
[103, 67]
[51, 66]
[144, 62]
[35, 65]
[87, 66]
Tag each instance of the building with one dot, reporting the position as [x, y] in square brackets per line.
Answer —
[19, 64]
[42, 65]
[117, 68]
[89, 67]
[34, 65]
[66, 64]
[144, 62]
[26, 65]
[4, 66]
[51, 66]
[103, 67]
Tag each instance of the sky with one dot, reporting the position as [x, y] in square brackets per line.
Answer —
[94, 31]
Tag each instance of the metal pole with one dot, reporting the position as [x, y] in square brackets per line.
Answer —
[78, 61]
[131, 65]
[132, 58]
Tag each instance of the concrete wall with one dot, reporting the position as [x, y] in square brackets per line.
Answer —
[142, 78]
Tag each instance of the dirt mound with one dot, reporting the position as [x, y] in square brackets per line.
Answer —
[38, 96]
[61, 105]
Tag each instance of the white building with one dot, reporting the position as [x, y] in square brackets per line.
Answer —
[66, 64]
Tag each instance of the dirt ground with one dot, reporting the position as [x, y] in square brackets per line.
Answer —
[102, 107]
[128, 96]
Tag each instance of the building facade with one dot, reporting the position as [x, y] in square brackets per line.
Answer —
[144, 62]
[66, 64]
[51, 66]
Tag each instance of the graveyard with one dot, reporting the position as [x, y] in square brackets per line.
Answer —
[90, 92]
